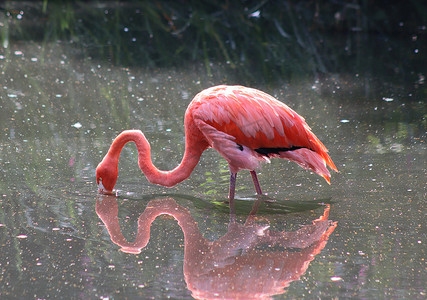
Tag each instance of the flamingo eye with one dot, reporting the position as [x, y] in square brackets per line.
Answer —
[240, 147]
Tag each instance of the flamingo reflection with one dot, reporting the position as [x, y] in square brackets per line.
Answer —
[249, 262]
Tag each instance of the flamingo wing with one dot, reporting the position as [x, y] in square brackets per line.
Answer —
[256, 120]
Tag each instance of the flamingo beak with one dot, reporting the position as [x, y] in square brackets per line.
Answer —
[101, 189]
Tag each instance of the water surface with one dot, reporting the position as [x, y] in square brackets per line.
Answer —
[60, 110]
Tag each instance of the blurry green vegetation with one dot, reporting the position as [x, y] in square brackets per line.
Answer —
[255, 39]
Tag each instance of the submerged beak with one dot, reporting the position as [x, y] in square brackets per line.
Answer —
[102, 190]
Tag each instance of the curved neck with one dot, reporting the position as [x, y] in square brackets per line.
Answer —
[193, 151]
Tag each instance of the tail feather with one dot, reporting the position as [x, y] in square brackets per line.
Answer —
[330, 163]
[328, 180]
[318, 147]
[310, 160]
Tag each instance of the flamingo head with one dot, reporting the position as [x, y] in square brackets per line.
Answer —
[106, 175]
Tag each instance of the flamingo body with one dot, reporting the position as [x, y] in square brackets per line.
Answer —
[246, 126]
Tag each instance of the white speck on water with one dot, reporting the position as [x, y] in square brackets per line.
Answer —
[336, 278]
[344, 121]
[77, 125]
[18, 52]
[387, 99]
[255, 14]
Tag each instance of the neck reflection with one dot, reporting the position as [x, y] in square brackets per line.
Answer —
[250, 261]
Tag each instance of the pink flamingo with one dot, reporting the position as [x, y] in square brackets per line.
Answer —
[246, 126]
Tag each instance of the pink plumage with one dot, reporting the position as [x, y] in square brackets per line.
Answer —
[256, 120]
[246, 126]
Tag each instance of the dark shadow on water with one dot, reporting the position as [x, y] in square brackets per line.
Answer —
[267, 205]
[273, 207]
[249, 261]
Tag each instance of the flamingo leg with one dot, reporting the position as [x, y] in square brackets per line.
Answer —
[256, 183]
[232, 189]
[231, 193]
